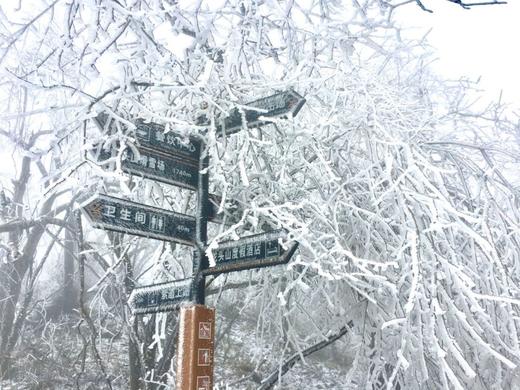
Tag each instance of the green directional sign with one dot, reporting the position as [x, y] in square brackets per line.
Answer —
[156, 166]
[260, 112]
[152, 136]
[120, 215]
[160, 297]
[256, 251]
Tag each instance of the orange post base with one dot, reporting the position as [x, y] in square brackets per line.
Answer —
[196, 348]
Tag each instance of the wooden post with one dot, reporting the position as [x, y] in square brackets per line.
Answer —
[196, 348]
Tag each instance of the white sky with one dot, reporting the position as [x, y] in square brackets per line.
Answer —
[483, 41]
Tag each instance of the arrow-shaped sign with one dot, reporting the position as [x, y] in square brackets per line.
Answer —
[274, 106]
[156, 166]
[120, 215]
[152, 136]
[160, 297]
[256, 251]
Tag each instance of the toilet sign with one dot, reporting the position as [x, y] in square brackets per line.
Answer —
[121, 215]
[203, 357]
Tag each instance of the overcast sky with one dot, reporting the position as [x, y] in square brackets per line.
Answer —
[483, 41]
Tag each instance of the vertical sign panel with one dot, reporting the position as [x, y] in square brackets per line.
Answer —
[196, 348]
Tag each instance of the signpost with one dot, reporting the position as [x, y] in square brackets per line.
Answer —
[256, 251]
[160, 297]
[174, 159]
[107, 212]
[274, 106]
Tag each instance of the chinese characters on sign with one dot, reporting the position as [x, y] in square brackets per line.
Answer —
[269, 107]
[260, 250]
[152, 136]
[124, 216]
[257, 247]
[160, 297]
[158, 167]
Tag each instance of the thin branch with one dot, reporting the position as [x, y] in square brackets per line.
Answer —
[421, 5]
[275, 376]
[27, 224]
[469, 5]
[22, 30]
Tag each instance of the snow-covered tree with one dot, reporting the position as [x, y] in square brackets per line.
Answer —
[398, 191]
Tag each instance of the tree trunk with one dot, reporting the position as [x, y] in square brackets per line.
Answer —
[276, 375]
[13, 271]
[69, 295]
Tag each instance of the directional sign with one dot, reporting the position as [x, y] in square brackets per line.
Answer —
[160, 297]
[157, 166]
[256, 251]
[107, 212]
[152, 136]
[273, 106]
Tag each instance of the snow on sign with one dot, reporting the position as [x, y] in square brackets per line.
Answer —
[256, 251]
[152, 136]
[156, 166]
[160, 297]
[107, 212]
[277, 105]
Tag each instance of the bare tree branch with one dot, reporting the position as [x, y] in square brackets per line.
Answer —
[276, 375]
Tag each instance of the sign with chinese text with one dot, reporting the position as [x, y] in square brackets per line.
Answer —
[107, 212]
[196, 348]
[152, 136]
[277, 105]
[260, 250]
[156, 166]
[160, 297]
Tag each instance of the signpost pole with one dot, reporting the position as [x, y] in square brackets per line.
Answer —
[197, 322]
[201, 262]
